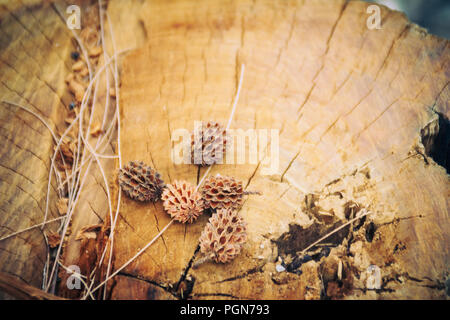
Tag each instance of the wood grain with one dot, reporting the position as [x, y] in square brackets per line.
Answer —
[34, 58]
[20, 290]
[349, 104]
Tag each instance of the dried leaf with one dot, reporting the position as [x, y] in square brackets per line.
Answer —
[67, 148]
[53, 239]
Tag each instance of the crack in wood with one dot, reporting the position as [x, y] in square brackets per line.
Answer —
[149, 281]
[245, 274]
[333, 29]
[186, 270]
[406, 28]
[216, 294]
[289, 165]
[157, 227]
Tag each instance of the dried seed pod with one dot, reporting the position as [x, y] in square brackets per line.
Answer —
[223, 236]
[140, 182]
[221, 192]
[206, 145]
[53, 239]
[182, 201]
[64, 157]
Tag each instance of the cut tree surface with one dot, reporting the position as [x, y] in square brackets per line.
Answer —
[359, 114]
[349, 104]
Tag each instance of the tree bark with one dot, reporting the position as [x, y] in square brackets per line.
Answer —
[20, 290]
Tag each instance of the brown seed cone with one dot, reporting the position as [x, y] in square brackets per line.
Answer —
[223, 236]
[211, 137]
[221, 192]
[182, 202]
[140, 182]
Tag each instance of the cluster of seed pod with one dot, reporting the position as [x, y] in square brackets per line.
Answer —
[225, 233]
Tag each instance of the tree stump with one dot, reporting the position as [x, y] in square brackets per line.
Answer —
[361, 115]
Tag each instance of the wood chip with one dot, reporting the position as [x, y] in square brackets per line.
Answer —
[53, 239]
[62, 206]
[89, 36]
[69, 119]
[325, 213]
[339, 271]
[84, 72]
[88, 232]
[77, 89]
[95, 51]
[67, 148]
[112, 92]
[69, 78]
[77, 66]
[96, 129]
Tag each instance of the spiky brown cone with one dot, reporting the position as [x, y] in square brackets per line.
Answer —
[140, 182]
[182, 202]
[223, 236]
[221, 192]
[210, 139]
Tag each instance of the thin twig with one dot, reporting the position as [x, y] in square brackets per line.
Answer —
[74, 199]
[77, 275]
[119, 152]
[202, 260]
[236, 99]
[32, 227]
[335, 230]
